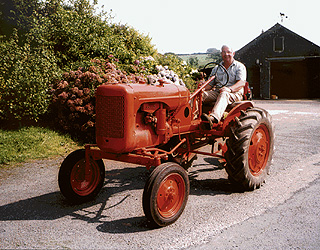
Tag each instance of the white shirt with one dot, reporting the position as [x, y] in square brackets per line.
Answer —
[237, 71]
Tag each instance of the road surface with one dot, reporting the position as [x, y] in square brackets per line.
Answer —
[282, 214]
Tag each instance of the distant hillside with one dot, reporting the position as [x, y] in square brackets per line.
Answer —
[201, 58]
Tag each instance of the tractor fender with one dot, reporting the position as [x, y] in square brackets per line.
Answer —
[237, 107]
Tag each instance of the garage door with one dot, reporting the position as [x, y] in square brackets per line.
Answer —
[289, 79]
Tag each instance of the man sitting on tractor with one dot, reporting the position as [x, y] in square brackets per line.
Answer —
[221, 95]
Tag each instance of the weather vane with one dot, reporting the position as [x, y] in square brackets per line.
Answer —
[282, 16]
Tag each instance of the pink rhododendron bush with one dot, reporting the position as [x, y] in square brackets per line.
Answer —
[73, 97]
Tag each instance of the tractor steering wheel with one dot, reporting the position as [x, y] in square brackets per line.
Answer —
[219, 65]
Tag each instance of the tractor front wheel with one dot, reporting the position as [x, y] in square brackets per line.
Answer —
[80, 182]
[250, 149]
[165, 194]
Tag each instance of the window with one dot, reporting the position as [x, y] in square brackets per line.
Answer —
[278, 44]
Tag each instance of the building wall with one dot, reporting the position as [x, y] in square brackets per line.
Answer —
[278, 47]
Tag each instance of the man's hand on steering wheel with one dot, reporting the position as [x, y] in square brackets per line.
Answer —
[223, 68]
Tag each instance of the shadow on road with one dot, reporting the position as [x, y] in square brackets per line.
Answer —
[53, 205]
[127, 225]
[214, 186]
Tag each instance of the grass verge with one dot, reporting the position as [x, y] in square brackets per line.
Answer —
[28, 143]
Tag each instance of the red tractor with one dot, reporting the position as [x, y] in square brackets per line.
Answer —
[159, 125]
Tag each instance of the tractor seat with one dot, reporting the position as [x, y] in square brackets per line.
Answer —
[247, 95]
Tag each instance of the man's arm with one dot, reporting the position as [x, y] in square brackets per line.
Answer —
[238, 86]
[235, 87]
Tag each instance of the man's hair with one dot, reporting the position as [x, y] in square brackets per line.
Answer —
[226, 46]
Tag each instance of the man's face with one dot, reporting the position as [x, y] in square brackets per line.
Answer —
[227, 55]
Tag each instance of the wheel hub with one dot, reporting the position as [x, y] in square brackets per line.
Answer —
[84, 180]
[170, 195]
[259, 150]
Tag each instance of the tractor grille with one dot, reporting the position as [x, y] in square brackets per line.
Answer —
[110, 116]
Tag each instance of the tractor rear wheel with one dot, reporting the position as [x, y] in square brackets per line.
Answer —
[165, 194]
[250, 149]
[77, 182]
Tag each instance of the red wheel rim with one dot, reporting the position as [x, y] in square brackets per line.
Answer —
[171, 194]
[259, 150]
[85, 180]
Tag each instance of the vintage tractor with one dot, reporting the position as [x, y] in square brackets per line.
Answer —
[158, 125]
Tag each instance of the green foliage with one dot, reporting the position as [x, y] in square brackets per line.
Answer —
[181, 68]
[76, 35]
[215, 57]
[73, 32]
[25, 75]
[41, 39]
[194, 61]
[32, 143]
[201, 59]
[129, 45]
[16, 15]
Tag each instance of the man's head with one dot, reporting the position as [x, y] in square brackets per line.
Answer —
[227, 54]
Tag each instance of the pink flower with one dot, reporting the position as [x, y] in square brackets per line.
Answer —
[78, 101]
[90, 124]
[65, 75]
[136, 62]
[86, 91]
[89, 107]
[80, 93]
[63, 95]
[92, 69]
[80, 109]
[70, 103]
[75, 90]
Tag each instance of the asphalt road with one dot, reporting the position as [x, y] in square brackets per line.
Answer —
[282, 214]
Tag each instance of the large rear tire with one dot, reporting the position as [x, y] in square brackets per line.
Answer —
[165, 194]
[77, 183]
[250, 149]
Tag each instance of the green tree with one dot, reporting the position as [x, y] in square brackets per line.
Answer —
[213, 51]
[194, 61]
[216, 57]
[41, 39]
[25, 75]
[16, 15]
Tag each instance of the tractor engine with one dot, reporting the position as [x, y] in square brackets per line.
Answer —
[132, 116]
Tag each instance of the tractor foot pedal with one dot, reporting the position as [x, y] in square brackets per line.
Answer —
[208, 120]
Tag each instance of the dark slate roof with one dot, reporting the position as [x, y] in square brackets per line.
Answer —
[262, 46]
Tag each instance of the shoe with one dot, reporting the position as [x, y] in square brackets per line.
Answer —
[210, 119]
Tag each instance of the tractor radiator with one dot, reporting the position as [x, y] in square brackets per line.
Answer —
[110, 116]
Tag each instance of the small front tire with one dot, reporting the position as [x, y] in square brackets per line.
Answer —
[77, 183]
[165, 194]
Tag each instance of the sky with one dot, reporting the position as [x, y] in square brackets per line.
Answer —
[193, 26]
